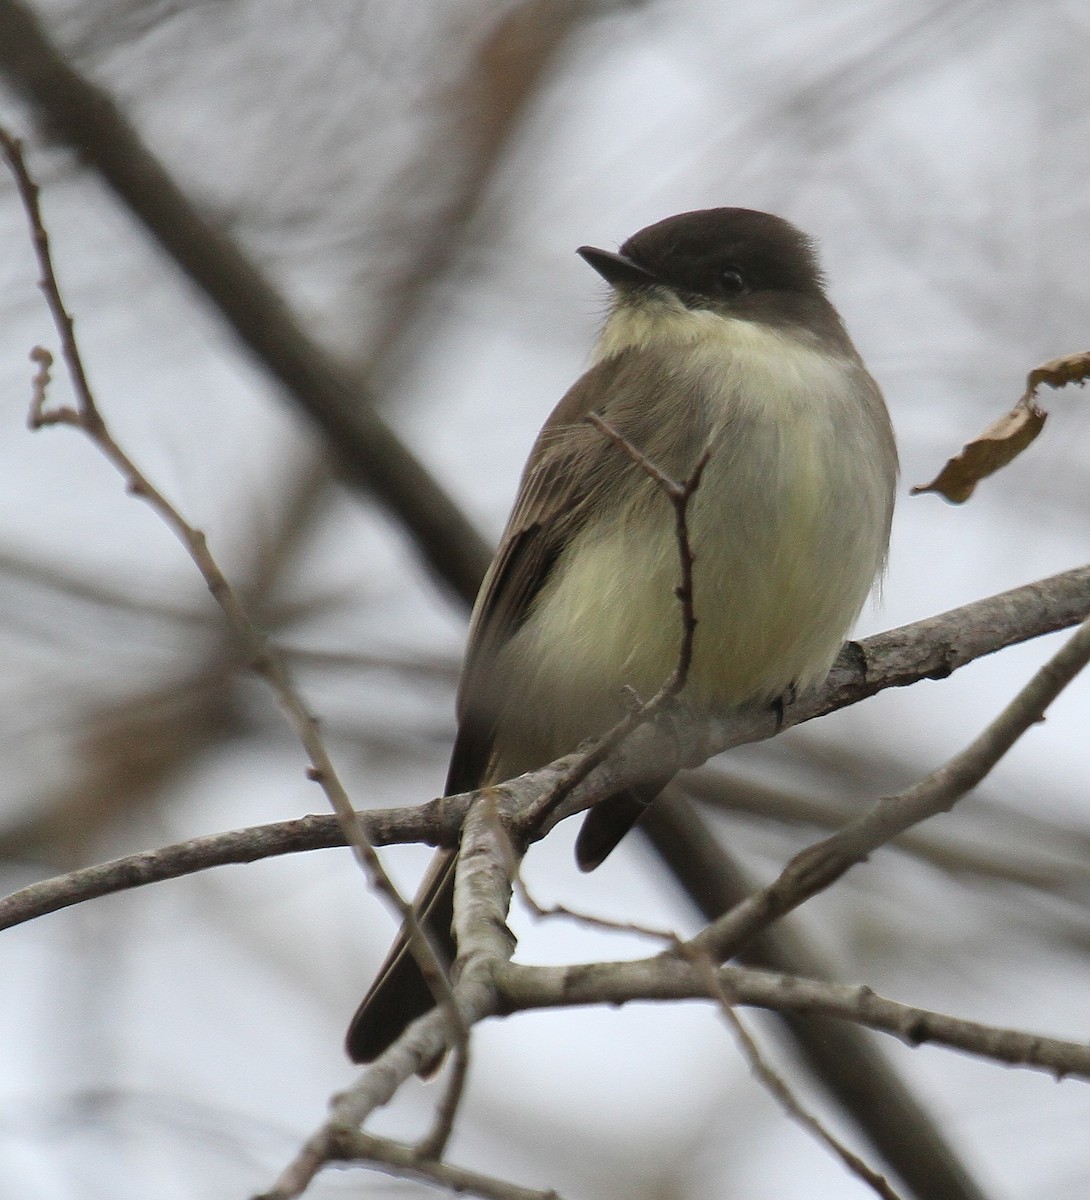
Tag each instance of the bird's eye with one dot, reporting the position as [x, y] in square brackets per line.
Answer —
[732, 282]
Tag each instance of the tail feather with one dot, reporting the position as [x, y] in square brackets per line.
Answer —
[399, 994]
[609, 820]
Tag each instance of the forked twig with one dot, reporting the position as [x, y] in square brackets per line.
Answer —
[257, 651]
[778, 1087]
[822, 864]
[679, 495]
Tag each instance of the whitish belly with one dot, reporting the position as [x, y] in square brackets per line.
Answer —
[788, 529]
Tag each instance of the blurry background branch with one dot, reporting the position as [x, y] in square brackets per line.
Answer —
[893, 658]
[87, 119]
[85, 116]
[928, 149]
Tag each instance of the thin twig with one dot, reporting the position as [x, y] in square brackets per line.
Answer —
[822, 864]
[679, 495]
[513, 864]
[895, 658]
[257, 650]
[667, 977]
[433, 1145]
[591, 920]
[86, 117]
[994, 849]
[395, 1158]
[778, 1087]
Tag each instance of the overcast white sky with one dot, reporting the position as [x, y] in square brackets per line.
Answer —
[179, 1041]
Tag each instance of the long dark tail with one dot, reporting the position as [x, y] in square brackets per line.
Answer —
[399, 994]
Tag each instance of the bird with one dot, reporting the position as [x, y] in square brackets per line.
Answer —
[719, 342]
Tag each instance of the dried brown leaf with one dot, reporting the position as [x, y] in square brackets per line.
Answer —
[1002, 441]
[1006, 438]
[1058, 372]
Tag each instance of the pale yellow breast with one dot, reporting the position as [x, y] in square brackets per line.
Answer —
[788, 526]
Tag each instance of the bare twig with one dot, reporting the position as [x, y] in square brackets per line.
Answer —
[472, 942]
[482, 892]
[1054, 864]
[777, 1086]
[86, 117]
[256, 649]
[385, 827]
[433, 1145]
[822, 864]
[673, 977]
[591, 920]
[772, 1081]
[679, 495]
[893, 659]
[395, 1158]
[844, 1058]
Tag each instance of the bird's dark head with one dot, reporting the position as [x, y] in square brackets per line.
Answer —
[714, 258]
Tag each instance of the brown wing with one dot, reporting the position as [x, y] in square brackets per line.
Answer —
[559, 489]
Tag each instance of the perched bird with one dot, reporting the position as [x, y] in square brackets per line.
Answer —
[719, 338]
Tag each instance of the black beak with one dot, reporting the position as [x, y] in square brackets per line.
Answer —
[616, 269]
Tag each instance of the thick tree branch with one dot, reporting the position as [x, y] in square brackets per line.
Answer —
[671, 977]
[483, 890]
[821, 865]
[894, 659]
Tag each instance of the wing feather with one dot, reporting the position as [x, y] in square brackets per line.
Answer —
[560, 488]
